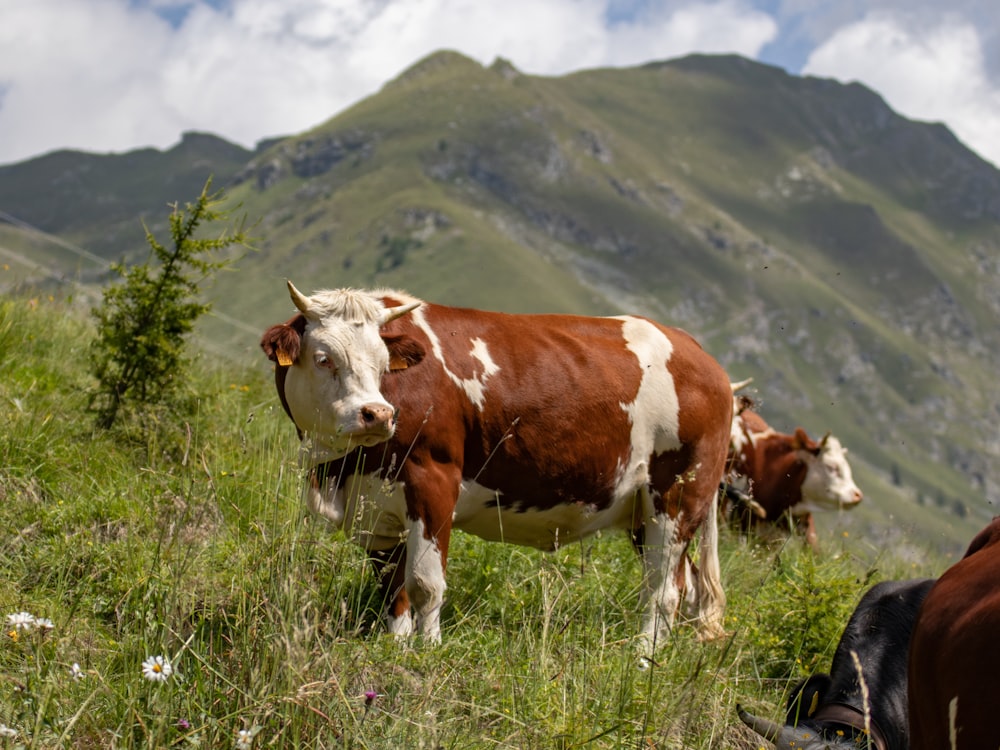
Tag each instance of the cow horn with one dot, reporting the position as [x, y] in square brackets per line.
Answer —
[300, 300]
[741, 384]
[822, 443]
[769, 730]
[391, 313]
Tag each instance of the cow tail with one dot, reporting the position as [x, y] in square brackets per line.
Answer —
[711, 597]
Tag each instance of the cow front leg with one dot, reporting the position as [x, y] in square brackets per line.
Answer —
[426, 554]
[390, 569]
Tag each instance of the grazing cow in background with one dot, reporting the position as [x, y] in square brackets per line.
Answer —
[862, 702]
[534, 429]
[955, 654]
[783, 479]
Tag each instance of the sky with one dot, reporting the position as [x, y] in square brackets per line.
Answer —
[115, 75]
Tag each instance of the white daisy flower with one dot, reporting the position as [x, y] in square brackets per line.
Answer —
[244, 737]
[44, 623]
[20, 621]
[156, 669]
[76, 673]
[6, 731]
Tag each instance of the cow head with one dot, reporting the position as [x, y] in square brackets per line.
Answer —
[334, 358]
[829, 482]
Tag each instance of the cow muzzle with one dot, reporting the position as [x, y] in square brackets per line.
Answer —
[376, 422]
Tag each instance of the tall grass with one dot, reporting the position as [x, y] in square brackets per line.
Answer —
[185, 537]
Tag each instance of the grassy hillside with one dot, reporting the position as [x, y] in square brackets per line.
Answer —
[183, 536]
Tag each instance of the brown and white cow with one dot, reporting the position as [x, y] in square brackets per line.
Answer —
[418, 418]
[778, 478]
[955, 655]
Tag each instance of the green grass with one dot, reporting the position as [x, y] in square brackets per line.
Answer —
[187, 539]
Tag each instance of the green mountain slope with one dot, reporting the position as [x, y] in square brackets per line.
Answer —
[844, 257]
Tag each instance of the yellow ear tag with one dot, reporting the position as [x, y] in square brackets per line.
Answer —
[814, 705]
[283, 359]
[397, 363]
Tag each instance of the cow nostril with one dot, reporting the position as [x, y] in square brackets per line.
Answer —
[374, 415]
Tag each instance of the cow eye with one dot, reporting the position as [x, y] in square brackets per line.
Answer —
[324, 361]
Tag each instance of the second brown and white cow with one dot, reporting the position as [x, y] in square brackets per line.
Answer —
[777, 478]
[418, 418]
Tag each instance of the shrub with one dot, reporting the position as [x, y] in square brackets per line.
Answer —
[801, 612]
[138, 354]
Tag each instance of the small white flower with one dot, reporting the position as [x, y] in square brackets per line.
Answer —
[244, 737]
[156, 669]
[6, 731]
[76, 673]
[44, 623]
[20, 621]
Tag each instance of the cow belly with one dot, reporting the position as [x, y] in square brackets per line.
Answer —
[373, 513]
[479, 512]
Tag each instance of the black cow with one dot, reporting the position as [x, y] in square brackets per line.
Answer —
[839, 710]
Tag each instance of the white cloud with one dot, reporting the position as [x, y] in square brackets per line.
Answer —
[111, 75]
[720, 27]
[934, 73]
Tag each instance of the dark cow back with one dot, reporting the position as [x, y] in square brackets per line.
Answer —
[955, 654]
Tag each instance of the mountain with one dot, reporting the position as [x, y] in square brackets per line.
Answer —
[846, 258]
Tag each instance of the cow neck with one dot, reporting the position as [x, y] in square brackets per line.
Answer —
[842, 714]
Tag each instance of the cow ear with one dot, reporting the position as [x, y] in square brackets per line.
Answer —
[803, 442]
[404, 351]
[806, 698]
[282, 343]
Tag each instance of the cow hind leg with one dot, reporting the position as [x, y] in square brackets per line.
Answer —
[709, 595]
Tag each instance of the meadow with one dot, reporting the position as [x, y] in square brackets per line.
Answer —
[182, 535]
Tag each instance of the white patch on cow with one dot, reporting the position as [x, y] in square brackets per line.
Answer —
[737, 434]
[952, 723]
[829, 482]
[425, 580]
[474, 387]
[655, 412]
